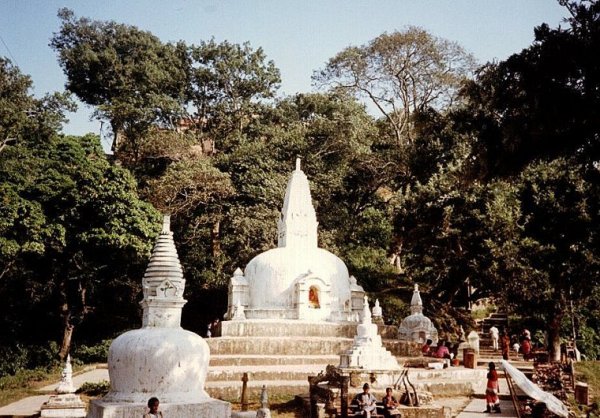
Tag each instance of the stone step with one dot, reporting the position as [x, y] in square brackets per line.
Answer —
[253, 360]
[296, 328]
[262, 372]
[301, 372]
[280, 345]
[231, 391]
[297, 346]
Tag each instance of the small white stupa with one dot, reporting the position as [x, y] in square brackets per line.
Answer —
[66, 403]
[160, 359]
[368, 352]
[297, 280]
[417, 327]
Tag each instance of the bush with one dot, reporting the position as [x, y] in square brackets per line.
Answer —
[16, 358]
[94, 389]
[22, 379]
[92, 354]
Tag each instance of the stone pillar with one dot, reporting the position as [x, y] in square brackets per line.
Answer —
[237, 292]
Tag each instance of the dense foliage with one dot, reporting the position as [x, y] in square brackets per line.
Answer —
[473, 188]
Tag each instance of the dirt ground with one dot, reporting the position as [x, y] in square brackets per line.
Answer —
[290, 409]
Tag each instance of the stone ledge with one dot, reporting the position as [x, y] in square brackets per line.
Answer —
[212, 408]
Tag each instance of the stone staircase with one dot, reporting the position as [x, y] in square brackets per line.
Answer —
[500, 321]
[281, 355]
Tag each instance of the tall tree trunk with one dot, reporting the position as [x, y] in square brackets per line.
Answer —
[554, 337]
[215, 234]
[66, 341]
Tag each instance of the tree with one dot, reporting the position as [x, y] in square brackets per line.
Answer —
[72, 228]
[559, 246]
[15, 102]
[21, 114]
[132, 78]
[400, 73]
[533, 121]
[228, 82]
[543, 102]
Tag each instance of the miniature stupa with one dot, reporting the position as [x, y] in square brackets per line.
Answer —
[66, 403]
[160, 359]
[368, 352]
[417, 327]
[297, 280]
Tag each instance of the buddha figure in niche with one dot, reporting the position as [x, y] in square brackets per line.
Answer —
[313, 297]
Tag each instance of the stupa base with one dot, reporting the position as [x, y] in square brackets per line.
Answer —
[211, 408]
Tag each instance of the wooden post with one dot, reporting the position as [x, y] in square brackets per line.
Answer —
[245, 392]
[344, 396]
[313, 398]
[582, 393]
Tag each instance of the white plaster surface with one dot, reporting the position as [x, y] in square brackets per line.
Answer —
[169, 362]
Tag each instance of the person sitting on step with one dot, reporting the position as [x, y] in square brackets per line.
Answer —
[366, 402]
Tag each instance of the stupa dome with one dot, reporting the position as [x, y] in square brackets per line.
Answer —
[160, 358]
[417, 327]
[296, 280]
[166, 361]
[271, 275]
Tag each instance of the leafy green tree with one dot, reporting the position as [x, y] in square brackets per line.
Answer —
[227, 85]
[131, 77]
[73, 239]
[14, 102]
[400, 73]
[542, 102]
[23, 115]
[559, 245]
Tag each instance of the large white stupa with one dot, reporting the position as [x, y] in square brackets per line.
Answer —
[297, 280]
[160, 359]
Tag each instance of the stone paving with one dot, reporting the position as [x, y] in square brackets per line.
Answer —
[476, 408]
[24, 407]
[29, 406]
[92, 376]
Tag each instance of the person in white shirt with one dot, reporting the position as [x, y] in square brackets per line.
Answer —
[495, 334]
[366, 402]
[153, 409]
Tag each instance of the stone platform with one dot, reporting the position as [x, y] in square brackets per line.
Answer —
[282, 353]
[212, 408]
[297, 328]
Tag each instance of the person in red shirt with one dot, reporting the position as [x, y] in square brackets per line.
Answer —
[442, 351]
[505, 345]
[491, 390]
[526, 348]
[426, 349]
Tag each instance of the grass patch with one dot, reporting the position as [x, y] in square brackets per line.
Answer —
[589, 372]
[24, 383]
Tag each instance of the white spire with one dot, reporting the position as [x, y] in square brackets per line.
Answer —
[163, 282]
[366, 319]
[416, 304]
[164, 275]
[297, 226]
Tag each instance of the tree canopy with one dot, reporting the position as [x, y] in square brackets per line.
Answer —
[489, 184]
[400, 73]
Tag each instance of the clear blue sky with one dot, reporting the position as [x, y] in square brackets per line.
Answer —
[299, 36]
